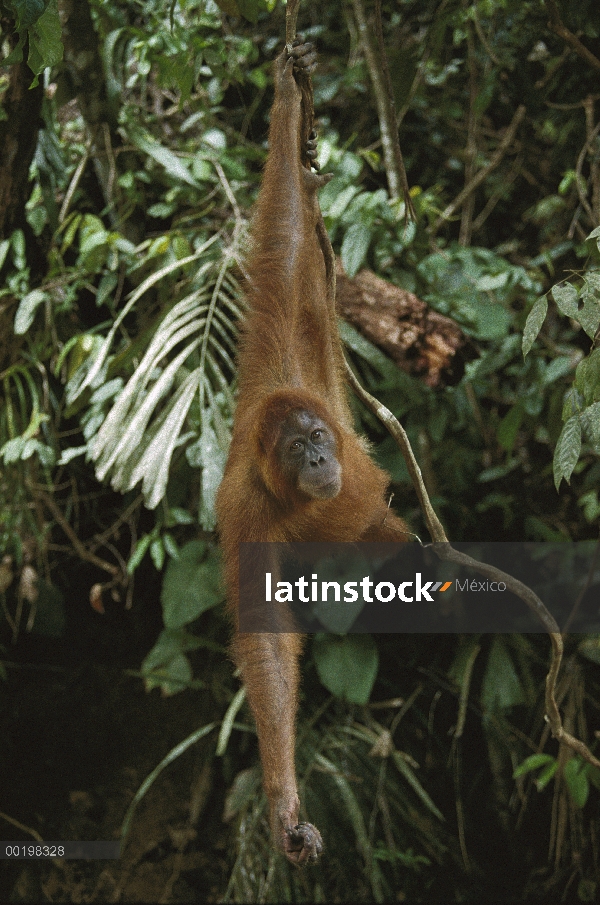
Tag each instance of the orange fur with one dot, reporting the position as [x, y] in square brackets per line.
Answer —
[290, 357]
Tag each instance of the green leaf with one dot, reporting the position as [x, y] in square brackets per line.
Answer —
[250, 9]
[105, 288]
[157, 553]
[170, 545]
[212, 458]
[592, 280]
[363, 347]
[26, 310]
[354, 247]
[348, 796]
[587, 377]
[350, 165]
[171, 677]
[509, 427]
[242, 791]
[154, 465]
[347, 666]
[70, 228]
[461, 668]
[489, 282]
[340, 202]
[586, 311]
[589, 314]
[590, 421]
[16, 54]
[92, 235]
[139, 552]
[501, 687]
[161, 209]
[571, 403]
[567, 450]
[548, 773]
[590, 504]
[228, 720]
[27, 12]
[192, 584]
[45, 44]
[577, 782]
[166, 158]
[178, 516]
[215, 139]
[50, 618]
[168, 645]
[590, 648]
[72, 452]
[533, 762]
[201, 170]
[408, 773]
[12, 450]
[4, 247]
[557, 368]
[119, 436]
[492, 321]
[566, 297]
[338, 616]
[406, 859]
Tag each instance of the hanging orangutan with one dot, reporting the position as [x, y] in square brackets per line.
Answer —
[296, 471]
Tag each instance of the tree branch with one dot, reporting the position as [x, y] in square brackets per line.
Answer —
[466, 220]
[446, 552]
[484, 172]
[386, 109]
[79, 548]
[558, 27]
[291, 17]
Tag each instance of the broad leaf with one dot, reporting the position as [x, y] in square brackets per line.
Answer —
[27, 309]
[354, 247]
[27, 12]
[567, 450]
[501, 686]
[583, 307]
[347, 666]
[166, 158]
[45, 44]
[534, 322]
[212, 460]
[587, 377]
[192, 584]
[533, 762]
[576, 777]
[590, 421]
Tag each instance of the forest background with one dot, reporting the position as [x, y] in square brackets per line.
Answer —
[132, 136]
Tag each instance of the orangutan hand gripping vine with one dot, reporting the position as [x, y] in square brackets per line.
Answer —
[296, 470]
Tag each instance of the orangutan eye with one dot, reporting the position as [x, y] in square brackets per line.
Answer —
[316, 435]
[295, 446]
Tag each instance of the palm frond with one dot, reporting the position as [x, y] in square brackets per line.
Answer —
[190, 356]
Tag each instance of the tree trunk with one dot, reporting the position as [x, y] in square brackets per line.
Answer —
[421, 341]
[18, 139]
